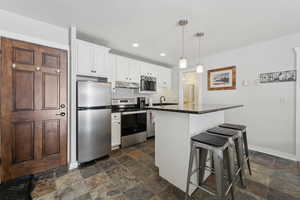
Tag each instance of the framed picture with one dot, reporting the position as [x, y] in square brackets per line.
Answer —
[222, 78]
[273, 77]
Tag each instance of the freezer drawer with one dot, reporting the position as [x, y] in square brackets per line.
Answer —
[94, 134]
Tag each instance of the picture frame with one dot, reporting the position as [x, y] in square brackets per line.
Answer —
[222, 78]
[277, 77]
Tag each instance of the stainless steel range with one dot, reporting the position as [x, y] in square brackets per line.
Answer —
[133, 121]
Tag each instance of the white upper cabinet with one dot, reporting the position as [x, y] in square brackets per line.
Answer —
[122, 68]
[130, 70]
[134, 71]
[127, 69]
[92, 60]
[148, 69]
[165, 77]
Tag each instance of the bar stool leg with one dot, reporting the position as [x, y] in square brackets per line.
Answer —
[247, 151]
[192, 154]
[202, 163]
[230, 166]
[240, 159]
[212, 160]
[219, 174]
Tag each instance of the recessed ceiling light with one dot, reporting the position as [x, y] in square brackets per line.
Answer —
[135, 44]
[162, 54]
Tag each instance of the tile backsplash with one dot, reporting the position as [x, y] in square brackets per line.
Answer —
[132, 93]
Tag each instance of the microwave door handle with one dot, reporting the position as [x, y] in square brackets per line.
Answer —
[152, 86]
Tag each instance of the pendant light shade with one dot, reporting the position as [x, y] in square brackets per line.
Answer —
[200, 67]
[183, 61]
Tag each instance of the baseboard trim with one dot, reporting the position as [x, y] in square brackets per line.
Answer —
[73, 165]
[273, 152]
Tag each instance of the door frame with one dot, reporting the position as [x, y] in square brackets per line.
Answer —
[180, 88]
[297, 51]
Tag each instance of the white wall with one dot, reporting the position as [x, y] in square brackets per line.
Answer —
[269, 111]
[297, 51]
[23, 28]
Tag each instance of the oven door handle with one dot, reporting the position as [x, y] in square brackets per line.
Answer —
[134, 112]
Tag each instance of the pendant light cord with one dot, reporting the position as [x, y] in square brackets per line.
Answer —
[183, 41]
[199, 50]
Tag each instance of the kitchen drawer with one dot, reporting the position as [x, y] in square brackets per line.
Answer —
[116, 116]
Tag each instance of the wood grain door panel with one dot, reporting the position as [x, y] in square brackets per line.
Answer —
[23, 56]
[23, 90]
[51, 91]
[23, 141]
[50, 60]
[33, 88]
[51, 139]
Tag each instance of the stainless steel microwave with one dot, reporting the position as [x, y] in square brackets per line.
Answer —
[148, 84]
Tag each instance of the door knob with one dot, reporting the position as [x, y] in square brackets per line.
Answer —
[38, 69]
[62, 114]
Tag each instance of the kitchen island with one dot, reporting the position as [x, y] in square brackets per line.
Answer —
[174, 126]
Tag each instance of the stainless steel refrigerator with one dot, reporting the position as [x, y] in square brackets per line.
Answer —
[93, 120]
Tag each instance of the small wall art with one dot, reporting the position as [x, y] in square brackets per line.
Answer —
[222, 78]
[282, 76]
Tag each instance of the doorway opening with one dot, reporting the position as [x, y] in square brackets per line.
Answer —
[191, 86]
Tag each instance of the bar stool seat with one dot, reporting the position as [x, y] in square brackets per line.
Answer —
[209, 140]
[233, 126]
[223, 131]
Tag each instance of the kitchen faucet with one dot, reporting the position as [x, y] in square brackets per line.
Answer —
[162, 99]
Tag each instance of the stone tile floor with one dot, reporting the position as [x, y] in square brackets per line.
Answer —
[130, 174]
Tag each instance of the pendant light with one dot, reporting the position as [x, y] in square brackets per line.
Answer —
[199, 67]
[183, 61]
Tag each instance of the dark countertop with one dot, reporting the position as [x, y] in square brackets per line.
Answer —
[194, 109]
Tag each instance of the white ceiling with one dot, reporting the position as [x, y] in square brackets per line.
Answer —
[152, 23]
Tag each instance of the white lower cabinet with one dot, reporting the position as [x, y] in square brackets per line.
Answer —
[115, 130]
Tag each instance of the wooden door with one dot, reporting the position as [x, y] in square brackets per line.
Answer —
[33, 94]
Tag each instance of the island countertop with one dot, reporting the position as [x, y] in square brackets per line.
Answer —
[194, 109]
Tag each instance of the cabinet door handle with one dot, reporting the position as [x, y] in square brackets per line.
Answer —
[93, 71]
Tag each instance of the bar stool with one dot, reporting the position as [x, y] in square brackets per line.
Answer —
[241, 128]
[235, 139]
[221, 151]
